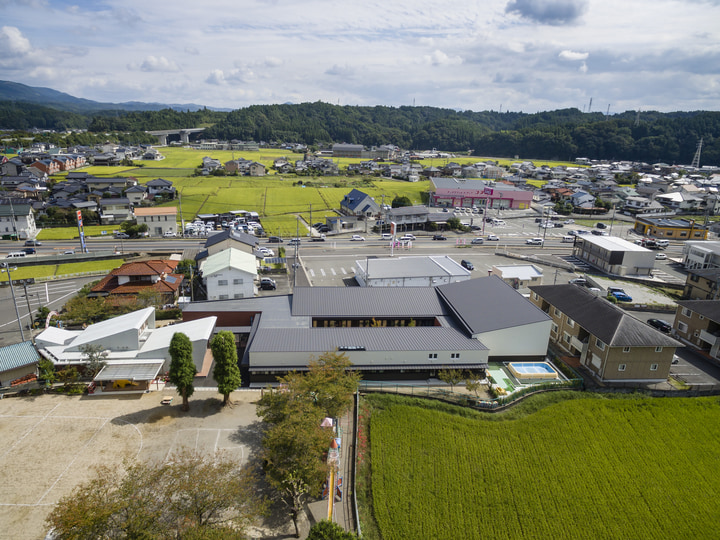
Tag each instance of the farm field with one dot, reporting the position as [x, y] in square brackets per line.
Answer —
[66, 269]
[588, 467]
[273, 196]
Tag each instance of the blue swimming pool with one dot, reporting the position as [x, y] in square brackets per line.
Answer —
[532, 370]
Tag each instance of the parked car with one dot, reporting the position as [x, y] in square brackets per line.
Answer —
[660, 256]
[477, 241]
[467, 264]
[615, 289]
[322, 229]
[661, 325]
[122, 236]
[357, 238]
[439, 237]
[169, 234]
[267, 284]
[596, 232]
[578, 281]
[32, 243]
[621, 296]
[492, 237]
[275, 240]
[534, 241]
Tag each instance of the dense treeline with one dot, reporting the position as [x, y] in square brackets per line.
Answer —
[562, 134]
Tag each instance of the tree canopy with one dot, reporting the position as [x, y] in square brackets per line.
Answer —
[182, 368]
[226, 371]
[189, 496]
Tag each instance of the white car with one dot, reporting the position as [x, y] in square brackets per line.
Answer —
[660, 256]
[169, 234]
[569, 221]
[492, 237]
[534, 241]
[408, 236]
[357, 238]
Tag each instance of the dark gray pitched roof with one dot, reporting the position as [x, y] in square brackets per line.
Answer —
[233, 235]
[488, 303]
[601, 318]
[367, 302]
[311, 340]
[707, 308]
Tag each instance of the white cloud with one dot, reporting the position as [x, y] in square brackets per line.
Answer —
[572, 55]
[12, 41]
[216, 77]
[158, 63]
[439, 58]
[583, 68]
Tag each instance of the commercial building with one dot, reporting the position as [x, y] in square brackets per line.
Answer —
[614, 255]
[612, 345]
[389, 333]
[670, 228]
[698, 255]
[519, 276]
[159, 219]
[466, 193]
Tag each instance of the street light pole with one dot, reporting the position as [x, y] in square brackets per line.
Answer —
[6, 268]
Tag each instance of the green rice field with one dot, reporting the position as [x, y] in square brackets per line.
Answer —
[552, 467]
[57, 270]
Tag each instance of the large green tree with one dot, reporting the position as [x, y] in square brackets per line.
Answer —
[190, 496]
[226, 371]
[329, 530]
[182, 368]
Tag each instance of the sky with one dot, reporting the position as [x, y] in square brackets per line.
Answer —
[506, 55]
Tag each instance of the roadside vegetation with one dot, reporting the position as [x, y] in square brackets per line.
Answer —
[562, 465]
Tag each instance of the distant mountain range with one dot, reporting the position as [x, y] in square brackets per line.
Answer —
[12, 91]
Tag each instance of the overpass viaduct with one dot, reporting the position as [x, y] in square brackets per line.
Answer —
[184, 134]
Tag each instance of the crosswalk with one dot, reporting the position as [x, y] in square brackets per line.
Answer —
[323, 273]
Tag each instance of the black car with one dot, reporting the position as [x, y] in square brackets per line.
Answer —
[28, 251]
[275, 240]
[467, 264]
[439, 237]
[268, 284]
[600, 225]
[661, 325]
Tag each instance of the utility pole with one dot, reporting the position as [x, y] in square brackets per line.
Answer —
[182, 220]
[6, 268]
[27, 299]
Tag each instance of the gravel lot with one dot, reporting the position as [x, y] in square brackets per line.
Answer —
[50, 443]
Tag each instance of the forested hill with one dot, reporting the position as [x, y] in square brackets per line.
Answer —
[563, 134]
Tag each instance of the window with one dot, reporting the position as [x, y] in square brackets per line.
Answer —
[658, 349]
[686, 312]
[570, 322]
[653, 367]
[621, 367]
[599, 344]
[455, 355]
[566, 337]
[554, 328]
[222, 282]
[239, 295]
[682, 326]
[223, 297]
[535, 296]
[237, 281]
[432, 355]
[556, 312]
[626, 349]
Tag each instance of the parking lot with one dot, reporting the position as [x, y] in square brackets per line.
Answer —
[50, 443]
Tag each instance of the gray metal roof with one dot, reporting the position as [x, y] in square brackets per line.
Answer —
[601, 318]
[709, 309]
[366, 302]
[469, 183]
[421, 266]
[320, 340]
[132, 371]
[274, 310]
[488, 303]
[17, 355]
[233, 235]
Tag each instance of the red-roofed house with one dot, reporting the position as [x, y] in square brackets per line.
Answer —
[126, 282]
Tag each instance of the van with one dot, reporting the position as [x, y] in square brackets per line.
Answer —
[15, 254]
[386, 236]
[498, 222]
[662, 243]
[568, 238]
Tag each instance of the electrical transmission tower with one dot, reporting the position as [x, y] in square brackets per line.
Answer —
[696, 160]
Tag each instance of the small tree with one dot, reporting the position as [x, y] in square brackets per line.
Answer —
[473, 385]
[226, 371]
[329, 530]
[450, 376]
[95, 356]
[399, 202]
[182, 368]
[46, 371]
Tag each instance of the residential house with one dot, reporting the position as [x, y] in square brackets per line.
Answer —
[229, 238]
[47, 166]
[700, 255]
[159, 219]
[136, 194]
[697, 323]
[230, 273]
[17, 362]
[582, 199]
[137, 351]
[125, 283]
[115, 210]
[102, 184]
[160, 186]
[519, 276]
[612, 345]
[702, 284]
[17, 219]
[357, 203]
[407, 218]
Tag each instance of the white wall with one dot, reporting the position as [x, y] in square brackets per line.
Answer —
[230, 289]
[526, 340]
